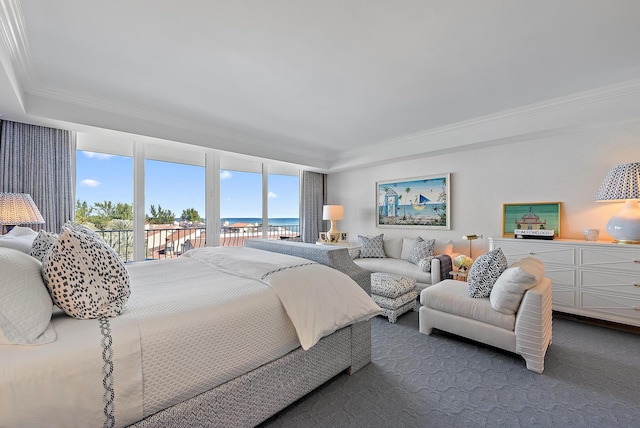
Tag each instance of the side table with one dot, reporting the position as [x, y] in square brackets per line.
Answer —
[460, 275]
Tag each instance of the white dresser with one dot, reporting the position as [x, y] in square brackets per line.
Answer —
[594, 279]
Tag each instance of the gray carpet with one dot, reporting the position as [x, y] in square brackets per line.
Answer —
[591, 379]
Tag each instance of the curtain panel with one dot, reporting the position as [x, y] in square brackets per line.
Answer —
[313, 194]
[40, 161]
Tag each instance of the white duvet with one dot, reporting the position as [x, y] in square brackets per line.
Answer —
[191, 324]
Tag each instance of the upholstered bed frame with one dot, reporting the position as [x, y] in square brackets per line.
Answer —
[255, 396]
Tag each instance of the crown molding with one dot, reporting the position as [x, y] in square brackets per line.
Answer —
[17, 60]
[64, 106]
[542, 118]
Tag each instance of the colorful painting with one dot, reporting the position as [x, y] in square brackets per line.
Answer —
[414, 202]
[532, 216]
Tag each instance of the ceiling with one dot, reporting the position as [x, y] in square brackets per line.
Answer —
[329, 84]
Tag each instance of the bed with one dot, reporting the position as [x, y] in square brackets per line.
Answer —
[218, 337]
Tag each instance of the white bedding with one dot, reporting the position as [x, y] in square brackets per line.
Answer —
[190, 324]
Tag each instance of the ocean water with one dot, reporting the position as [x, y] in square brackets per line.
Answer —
[287, 221]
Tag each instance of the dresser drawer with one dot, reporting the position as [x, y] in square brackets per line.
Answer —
[561, 296]
[561, 276]
[611, 258]
[557, 254]
[617, 282]
[620, 307]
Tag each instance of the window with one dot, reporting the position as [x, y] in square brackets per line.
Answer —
[240, 206]
[284, 206]
[104, 198]
[174, 208]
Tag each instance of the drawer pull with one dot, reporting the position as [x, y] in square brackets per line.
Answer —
[531, 253]
[636, 261]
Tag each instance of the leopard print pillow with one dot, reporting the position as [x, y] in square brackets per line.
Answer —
[42, 244]
[85, 277]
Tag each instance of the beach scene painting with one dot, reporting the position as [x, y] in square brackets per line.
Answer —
[414, 202]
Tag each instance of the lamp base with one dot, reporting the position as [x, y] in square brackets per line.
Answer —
[333, 235]
[624, 227]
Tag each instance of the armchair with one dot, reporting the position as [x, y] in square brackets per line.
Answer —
[448, 307]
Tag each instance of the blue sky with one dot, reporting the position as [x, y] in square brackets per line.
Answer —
[178, 187]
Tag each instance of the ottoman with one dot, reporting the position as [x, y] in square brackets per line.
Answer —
[395, 294]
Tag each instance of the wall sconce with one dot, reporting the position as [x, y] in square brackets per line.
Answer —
[17, 209]
[471, 238]
[622, 183]
[333, 213]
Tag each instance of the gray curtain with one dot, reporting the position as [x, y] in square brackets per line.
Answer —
[313, 195]
[40, 161]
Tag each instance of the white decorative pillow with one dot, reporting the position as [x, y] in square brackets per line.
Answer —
[25, 304]
[372, 247]
[510, 287]
[485, 271]
[425, 264]
[420, 250]
[42, 244]
[19, 238]
[86, 278]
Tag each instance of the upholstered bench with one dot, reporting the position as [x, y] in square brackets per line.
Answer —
[395, 294]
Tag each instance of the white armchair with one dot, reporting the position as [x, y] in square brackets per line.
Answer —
[448, 307]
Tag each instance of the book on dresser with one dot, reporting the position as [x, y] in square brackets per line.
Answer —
[533, 234]
[596, 279]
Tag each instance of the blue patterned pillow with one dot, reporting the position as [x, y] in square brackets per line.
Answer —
[485, 271]
[425, 264]
[372, 247]
[42, 244]
[421, 249]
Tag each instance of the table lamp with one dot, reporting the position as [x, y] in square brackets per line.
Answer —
[17, 209]
[622, 183]
[333, 213]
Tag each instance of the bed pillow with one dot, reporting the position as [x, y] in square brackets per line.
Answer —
[86, 278]
[25, 304]
[485, 271]
[372, 247]
[19, 238]
[509, 289]
[421, 249]
[42, 244]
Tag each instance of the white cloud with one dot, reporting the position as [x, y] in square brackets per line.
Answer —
[87, 182]
[224, 175]
[100, 156]
[272, 195]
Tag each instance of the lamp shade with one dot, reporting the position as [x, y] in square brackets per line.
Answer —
[332, 212]
[18, 208]
[622, 183]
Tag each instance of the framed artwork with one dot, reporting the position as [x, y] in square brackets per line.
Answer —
[344, 237]
[531, 215]
[421, 202]
[322, 237]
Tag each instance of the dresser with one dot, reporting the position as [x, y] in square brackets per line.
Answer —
[594, 279]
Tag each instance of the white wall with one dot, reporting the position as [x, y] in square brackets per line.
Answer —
[567, 168]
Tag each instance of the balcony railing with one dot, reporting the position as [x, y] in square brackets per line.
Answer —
[162, 243]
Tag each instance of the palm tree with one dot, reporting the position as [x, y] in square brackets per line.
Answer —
[407, 190]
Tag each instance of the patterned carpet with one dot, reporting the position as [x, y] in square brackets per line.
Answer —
[591, 379]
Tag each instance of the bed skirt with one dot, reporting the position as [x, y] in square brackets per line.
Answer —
[252, 398]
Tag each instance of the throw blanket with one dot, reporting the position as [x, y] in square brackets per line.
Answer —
[318, 300]
[446, 266]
